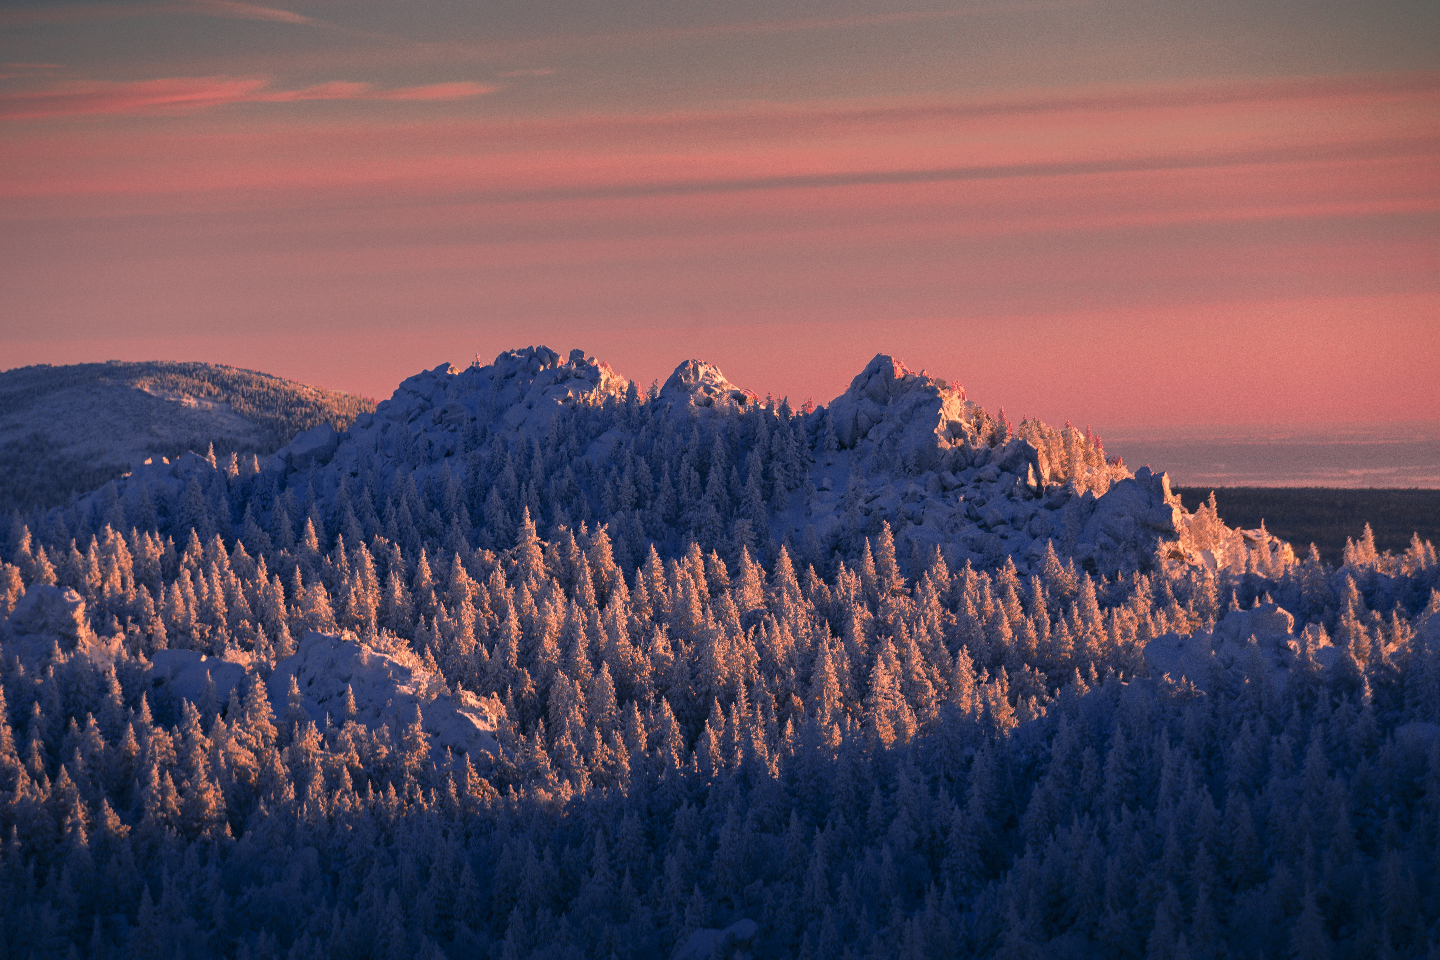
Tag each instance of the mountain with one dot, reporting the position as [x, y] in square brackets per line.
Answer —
[571, 440]
[66, 430]
[527, 662]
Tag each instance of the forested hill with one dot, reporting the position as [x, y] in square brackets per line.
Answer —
[529, 663]
[66, 430]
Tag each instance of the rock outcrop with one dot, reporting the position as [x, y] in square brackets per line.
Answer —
[904, 414]
[698, 385]
[908, 450]
[388, 683]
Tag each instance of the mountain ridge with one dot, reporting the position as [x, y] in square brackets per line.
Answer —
[897, 447]
[65, 430]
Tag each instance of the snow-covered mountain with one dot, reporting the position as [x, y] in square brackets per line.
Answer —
[65, 430]
[529, 663]
[896, 447]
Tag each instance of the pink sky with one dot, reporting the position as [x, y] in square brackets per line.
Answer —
[1103, 235]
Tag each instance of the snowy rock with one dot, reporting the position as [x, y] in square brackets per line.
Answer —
[912, 452]
[1258, 642]
[698, 385]
[46, 611]
[314, 446]
[183, 673]
[50, 622]
[1129, 523]
[523, 390]
[707, 943]
[387, 684]
[910, 415]
[1268, 623]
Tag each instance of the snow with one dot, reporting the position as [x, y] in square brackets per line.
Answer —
[523, 390]
[909, 415]
[1259, 642]
[700, 386]
[50, 623]
[916, 443]
[709, 942]
[51, 613]
[914, 452]
[316, 445]
[387, 685]
[183, 673]
[109, 423]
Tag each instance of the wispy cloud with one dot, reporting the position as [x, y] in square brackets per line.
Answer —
[92, 12]
[182, 94]
[769, 27]
[232, 9]
[432, 91]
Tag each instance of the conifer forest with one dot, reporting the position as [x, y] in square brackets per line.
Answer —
[535, 662]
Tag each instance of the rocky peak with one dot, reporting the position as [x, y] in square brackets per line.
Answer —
[521, 389]
[916, 415]
[698, 384]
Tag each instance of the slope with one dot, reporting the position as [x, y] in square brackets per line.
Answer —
[65, 430]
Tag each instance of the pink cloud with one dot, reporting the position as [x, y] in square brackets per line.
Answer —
[181, 94]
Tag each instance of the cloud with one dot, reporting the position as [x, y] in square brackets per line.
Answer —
[91, 12]
[185, 94]
[707, 32]
[232, 9]
[433, 91]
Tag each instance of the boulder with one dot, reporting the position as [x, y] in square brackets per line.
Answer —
[388, 683]
[908, 415]
[315, 446]
[182, 673]
[50, 612]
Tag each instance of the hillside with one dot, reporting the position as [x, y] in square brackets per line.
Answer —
[529, 663]
[66, 430]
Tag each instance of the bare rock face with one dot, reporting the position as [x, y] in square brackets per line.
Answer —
[911, 414]
[701, 386]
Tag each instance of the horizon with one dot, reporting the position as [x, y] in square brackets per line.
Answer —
[1090, 211]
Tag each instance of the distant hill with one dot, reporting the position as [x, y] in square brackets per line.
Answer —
[65, 430]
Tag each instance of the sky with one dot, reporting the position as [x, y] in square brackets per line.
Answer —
[1133, 215]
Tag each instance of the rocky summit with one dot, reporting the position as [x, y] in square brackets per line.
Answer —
[897, 447]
